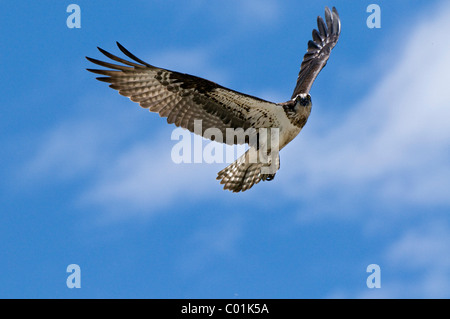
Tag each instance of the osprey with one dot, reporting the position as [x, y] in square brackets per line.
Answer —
[184, 99]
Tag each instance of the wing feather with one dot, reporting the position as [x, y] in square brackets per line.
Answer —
[319, 49]
[184, 98]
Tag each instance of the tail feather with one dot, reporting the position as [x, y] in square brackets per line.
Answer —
[242, 175]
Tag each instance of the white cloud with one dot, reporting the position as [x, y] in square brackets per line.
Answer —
[67, 150]
[414, 265]
[424, 253]
[263, 11]
[240, 13]
[423, 247]
[144, 179]
[421, 257]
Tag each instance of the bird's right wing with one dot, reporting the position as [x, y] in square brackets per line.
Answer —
[319, 50]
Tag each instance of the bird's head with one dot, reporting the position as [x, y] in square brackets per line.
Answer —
[303, 100]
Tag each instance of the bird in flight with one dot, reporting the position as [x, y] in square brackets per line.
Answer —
[186, 99]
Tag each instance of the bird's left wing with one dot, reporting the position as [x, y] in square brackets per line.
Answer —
[184, 98]
[319, 50]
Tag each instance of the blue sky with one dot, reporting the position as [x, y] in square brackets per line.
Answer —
[87, 177]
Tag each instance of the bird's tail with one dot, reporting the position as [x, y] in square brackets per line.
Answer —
[243, 173]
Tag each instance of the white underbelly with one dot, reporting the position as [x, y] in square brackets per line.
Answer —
[287, 134]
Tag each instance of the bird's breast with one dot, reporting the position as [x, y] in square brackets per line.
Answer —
[290, 127]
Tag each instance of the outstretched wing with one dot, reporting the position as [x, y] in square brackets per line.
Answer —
[184, 98]
[319, 50]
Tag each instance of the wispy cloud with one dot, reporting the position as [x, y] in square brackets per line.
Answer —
[144, 179]
[68, 150]
[261, 11]
[421, 257]
[427, 246]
